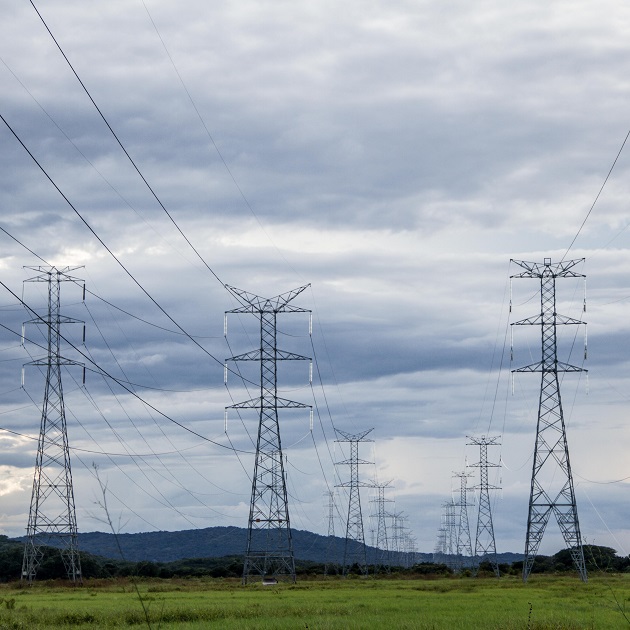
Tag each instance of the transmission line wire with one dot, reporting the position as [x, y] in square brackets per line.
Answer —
[588, 214]
[133, 163]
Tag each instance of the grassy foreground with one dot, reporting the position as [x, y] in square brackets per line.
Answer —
[546, 602]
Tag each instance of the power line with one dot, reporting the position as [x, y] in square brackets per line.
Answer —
[588, 214]
[109, 251]
[135, 166]
[104, 372]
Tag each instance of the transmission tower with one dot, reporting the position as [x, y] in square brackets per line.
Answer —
[403, 540]
[331, 541]
[552, 482]
[354, 549]
[464, 545]
[269, 543]
[440, 544]
[52, 516]
[450, 522]
[382, 547]
[485, 545]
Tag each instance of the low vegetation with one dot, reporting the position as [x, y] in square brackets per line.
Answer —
[429, 602]
[207, 593]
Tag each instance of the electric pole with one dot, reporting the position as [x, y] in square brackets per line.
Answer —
[52, 515]
[485, 545]
[269, 543]
[552, 489]
[354, 549]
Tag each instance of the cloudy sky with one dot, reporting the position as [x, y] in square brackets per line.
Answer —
[394, 155]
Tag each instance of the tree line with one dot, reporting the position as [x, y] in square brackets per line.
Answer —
[598, 559]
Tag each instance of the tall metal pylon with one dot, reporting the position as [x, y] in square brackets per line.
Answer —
[52, 516]
[485, 544]
[354, 549]
[400, 540]
[440, 544]
[382, 544]
[331, 546]
[464, 544]
[552, 489]
[269, 541]
[450, 522]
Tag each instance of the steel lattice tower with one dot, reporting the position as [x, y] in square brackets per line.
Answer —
[269, 542]
[464, 544]
[52, 515]
[450, 521]
[552, 482]
[440, 544]
[331, 539]
[382, 546]
[354, 549]
[485, 545]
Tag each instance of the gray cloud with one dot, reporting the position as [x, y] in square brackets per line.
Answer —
[395, 156]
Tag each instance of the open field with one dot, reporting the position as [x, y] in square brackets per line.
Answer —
[546, 602]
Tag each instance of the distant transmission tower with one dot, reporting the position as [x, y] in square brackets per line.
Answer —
[331, 546]
[354, 549]
[464, 545]
[450, 521]
[269, 542]
[485, 545]
[382, 546]
[552, 482]
[440, 544]
[52, 517]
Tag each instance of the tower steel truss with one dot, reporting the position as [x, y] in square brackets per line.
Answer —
[331, 547]
[382, 543]
[464, 544]
[269, 542]
[450, 521]
[485, 544]
[354, 548]
[552, 489]
[52, 516]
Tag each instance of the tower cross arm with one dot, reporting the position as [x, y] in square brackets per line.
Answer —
[537, 270]
[358, 461]
[529, 321]
[559, 366]
[536, 320]
[488, 441]
[283, 355]
[280, 403]
[61, 320]
[252, 303]
[347, 437]
[564, 319]
[291, 404]
[252, 355]
[61, 272]
[55, 361]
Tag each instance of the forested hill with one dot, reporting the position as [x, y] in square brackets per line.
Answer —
[204, 543]
[217, 542]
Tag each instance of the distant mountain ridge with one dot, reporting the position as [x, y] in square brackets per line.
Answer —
[216, 542]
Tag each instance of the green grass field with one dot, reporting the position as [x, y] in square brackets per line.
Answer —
[546, 602]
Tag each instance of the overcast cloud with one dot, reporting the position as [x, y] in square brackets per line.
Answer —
[395, 155]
